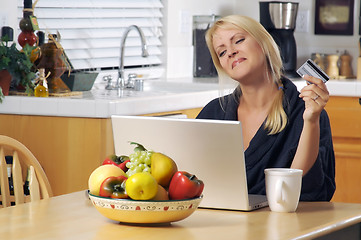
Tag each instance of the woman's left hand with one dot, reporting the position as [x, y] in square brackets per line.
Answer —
[315, 96]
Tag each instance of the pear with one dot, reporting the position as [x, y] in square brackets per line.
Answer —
[162, 168]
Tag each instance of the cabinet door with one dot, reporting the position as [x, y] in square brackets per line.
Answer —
[345, 118]
[68, 148]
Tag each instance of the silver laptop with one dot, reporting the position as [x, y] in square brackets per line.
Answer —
[210, 149]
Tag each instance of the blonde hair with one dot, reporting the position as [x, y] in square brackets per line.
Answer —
[277, 118]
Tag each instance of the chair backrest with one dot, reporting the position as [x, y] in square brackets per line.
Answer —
[24, 163]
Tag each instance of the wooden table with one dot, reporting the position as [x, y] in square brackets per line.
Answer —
[72, 216]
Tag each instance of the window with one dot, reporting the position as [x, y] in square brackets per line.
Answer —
[91, 30]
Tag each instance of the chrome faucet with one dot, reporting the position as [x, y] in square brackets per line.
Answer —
[120, 84]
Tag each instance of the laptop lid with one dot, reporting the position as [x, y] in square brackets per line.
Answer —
[210, 149]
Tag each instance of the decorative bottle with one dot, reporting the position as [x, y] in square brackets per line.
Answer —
[51, 60]
[41, 89]
[36, 52]
[27, 35]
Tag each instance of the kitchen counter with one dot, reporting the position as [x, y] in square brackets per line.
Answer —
[157, 96]
[346, 88]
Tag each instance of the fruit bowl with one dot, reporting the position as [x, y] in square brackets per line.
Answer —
[132, 211]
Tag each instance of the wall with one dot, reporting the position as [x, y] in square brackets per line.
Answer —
[178, 31]
[8, 11]
[178, 49]
[179, 45]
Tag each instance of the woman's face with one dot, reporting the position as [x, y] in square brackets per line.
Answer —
[239, 54]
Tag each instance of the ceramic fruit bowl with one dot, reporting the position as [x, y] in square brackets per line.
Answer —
[132, 211]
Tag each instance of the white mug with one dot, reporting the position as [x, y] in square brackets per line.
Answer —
[283, 188]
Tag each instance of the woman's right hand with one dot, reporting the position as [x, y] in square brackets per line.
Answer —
[315, 95]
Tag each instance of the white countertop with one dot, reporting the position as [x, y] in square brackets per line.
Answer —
[346, 88]
[158, 96]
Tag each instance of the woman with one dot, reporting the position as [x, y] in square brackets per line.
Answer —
[281, 127]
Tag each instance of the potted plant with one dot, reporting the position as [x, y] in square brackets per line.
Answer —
[18, 64]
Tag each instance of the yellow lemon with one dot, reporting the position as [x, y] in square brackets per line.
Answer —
[141, 186]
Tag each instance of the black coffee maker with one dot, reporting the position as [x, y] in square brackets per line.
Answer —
[279, 19]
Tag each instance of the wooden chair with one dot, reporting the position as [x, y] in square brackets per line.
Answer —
[23, 160]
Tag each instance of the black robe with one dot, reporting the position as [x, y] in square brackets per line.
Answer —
[271, 151]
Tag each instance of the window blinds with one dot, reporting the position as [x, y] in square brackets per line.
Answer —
[91, 30]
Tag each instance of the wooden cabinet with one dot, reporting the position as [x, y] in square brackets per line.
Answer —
[345, 118]
[68, 148]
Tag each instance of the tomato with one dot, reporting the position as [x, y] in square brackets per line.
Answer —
[120, 161]
[113, 187]
[185, 186]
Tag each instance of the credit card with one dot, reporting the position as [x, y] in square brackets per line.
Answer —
[312, 69]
